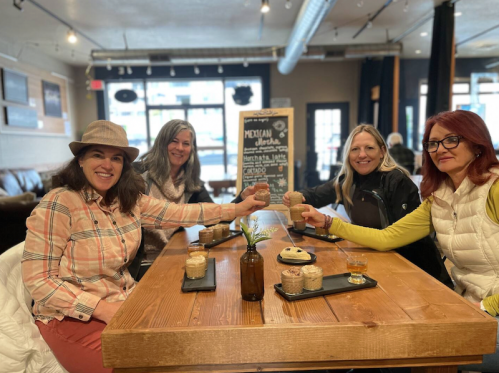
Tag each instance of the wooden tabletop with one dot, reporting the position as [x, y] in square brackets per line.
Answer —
[409, 319]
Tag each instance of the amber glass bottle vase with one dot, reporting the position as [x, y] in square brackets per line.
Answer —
[252, 288]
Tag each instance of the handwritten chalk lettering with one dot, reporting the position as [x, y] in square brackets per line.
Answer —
[251, 134]
[255, 170]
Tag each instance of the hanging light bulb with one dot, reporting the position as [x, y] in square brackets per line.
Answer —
[369, 24]
[265, 8]
[109, 64]
[72, 36]
[245, 63]
[172, 71]
[288, 4]
[196, 70]
[57, 48]
[360, 4]
[129, 70]
[406, 6]
[220, 69]
[149, 70]
[121, 70]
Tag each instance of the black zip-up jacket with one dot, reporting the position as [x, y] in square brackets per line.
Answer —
[380, 199]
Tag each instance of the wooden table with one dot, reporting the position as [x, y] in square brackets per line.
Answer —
[219, 185]
[409, 319]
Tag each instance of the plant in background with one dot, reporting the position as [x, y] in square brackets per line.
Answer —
[253, 236]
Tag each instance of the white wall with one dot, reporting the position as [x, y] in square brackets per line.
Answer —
[41, 151]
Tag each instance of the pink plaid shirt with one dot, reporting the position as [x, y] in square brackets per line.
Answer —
[77, 250]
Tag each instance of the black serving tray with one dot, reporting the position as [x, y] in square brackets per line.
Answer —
[330, 285]
[208, 282]
[232, 234]
[311, 233]
[312, 259]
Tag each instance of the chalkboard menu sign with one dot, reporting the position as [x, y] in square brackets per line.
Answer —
[266, 152]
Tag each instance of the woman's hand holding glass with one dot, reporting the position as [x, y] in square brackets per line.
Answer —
[313, 217]
[248, 206]
[285, 199]
[251, 190]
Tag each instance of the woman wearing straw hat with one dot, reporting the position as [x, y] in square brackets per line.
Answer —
[82, 237]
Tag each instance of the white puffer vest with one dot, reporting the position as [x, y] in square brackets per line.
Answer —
[468, 237]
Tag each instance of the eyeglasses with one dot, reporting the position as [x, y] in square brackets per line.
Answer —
[450, 142]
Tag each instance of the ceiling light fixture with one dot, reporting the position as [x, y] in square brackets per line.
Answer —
[288, 4]
[245, 63]
[72, 36]
[265, 8]
[220, 69]
[129, 70]
[418, 51]
[109, 64]
[172, 71]
[121, 70]
[196, 70]
[335, 34]
[458, 14]
[149, 70]
[423, 34]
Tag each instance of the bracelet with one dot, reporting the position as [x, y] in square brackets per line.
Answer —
[328, 221]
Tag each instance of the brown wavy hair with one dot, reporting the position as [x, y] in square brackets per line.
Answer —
[128, 188]
[473, 129]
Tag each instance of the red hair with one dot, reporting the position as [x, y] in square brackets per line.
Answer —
[473, 129]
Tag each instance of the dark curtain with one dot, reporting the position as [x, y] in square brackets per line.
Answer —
[439, 76]
[365, 110]
[385, 115]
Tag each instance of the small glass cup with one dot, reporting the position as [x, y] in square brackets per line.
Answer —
[320, 231]
[295, 198]
[357, 266]
[217, 232]
[195, 246]
[195, 267]
[292, 281]
[300, 225]
[296, 212]
[260, 184]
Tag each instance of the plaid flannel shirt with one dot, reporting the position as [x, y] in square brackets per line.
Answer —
[77, 250]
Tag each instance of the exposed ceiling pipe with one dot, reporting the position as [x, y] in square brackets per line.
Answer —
[311, 15]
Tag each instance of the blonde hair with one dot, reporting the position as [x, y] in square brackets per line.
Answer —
[387, 163]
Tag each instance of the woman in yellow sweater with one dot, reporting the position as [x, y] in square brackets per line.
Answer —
[461, 204]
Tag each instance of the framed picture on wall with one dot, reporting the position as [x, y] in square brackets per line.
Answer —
[15, 87]
[52, 99]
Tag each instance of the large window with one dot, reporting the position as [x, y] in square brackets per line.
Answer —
[208, 104]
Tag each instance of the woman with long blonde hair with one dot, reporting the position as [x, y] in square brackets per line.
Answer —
[376, 192]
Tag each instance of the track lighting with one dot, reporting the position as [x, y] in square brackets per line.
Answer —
[196, 70]
[220, 69]
[121, 70]
[172, 71]
[288, 4]
[265, 6]
[72, 36]
[245, 63]
[109, 64]
[369, 24]
[129, 70]
[149, 70]
[335, 34]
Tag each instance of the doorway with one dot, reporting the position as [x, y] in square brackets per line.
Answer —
[327, 130]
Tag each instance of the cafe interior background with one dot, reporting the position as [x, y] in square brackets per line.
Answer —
[356, 61]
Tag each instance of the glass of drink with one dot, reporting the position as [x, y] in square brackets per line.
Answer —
[260, 184]
[357, 266]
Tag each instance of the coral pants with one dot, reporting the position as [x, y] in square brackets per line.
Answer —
[75, 344]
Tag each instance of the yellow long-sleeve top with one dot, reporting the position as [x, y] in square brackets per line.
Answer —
[410, 228]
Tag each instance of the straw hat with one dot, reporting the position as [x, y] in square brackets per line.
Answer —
[104, 132]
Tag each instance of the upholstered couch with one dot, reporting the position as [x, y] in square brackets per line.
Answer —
[20, 190]
[22, 348]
